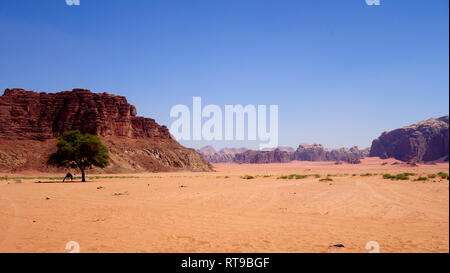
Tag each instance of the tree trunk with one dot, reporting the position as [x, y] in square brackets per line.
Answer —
[83, 176]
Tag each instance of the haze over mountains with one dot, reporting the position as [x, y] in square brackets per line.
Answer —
[424, 141]
[304, 152]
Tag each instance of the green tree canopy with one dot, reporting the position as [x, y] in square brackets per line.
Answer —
[77, 150]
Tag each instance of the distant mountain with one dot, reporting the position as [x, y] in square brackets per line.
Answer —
[224, 155]
[304, 152]
[281, 148]
[317, 152]
[423, 141]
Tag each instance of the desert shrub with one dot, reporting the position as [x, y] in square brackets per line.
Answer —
[432, 176]
[421, 178]
[366, 174]
[443, 175]
[401, 176]
[283, 177]
[248, 177]
[326, 179]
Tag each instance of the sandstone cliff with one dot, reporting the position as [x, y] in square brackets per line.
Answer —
[30, 123]
[255, 157]
[423, 141]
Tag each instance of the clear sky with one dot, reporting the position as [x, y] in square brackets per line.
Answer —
[342, 72]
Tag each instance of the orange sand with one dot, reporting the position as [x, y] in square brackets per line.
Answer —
[206, 212]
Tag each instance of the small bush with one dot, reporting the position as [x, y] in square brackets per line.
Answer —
[432, 176]
[401, 176]
[283, 177]
[387, 176]
[443, 175]
[366, 174]
[422, 178]
[248, 177]
[326, 179]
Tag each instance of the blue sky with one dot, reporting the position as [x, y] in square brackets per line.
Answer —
[341, 72]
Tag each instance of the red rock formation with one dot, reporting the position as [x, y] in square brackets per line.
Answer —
[424, 141]
[31, 116]
[257, 157]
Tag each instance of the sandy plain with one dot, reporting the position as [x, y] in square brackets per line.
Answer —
[223, 212]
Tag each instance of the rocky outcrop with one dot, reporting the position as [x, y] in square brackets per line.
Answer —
[317, 152]
[304, 152]
[31, 115]
[258, 157]
[365, 152]
[135, 143]
[281, 148]
[424, 141]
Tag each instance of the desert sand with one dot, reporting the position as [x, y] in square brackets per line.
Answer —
[222, 212]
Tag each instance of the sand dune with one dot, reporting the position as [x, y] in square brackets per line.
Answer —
[221, 212]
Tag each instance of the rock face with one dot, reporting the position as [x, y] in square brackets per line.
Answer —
[257, 157]
[317, 152]
[31, 115]
[135, 143]
[423, 141]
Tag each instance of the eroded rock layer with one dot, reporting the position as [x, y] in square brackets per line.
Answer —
[31, 120]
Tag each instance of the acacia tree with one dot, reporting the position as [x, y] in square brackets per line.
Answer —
[77, 150]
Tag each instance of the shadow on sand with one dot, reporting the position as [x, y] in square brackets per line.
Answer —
[59, 182]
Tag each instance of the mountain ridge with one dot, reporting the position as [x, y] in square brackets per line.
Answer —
[136, 144]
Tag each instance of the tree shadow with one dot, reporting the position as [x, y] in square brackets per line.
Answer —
[59, 182]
